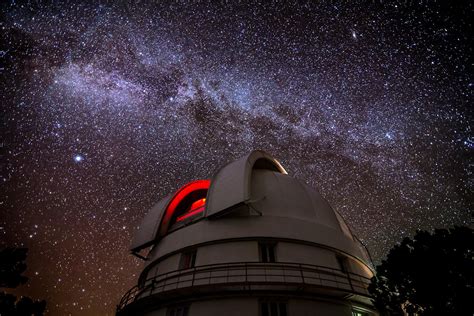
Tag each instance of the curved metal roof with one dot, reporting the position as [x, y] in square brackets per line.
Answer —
[148, 229]
[229, 187]
[258, 181]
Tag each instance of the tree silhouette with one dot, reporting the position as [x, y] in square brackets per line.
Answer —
[429, 275]
[12, 265]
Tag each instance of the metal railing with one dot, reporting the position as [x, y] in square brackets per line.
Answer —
[249, 273]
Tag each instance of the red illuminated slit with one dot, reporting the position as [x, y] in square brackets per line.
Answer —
[175, 204]
[190, 213]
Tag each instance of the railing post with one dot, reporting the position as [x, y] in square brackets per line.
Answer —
[301, 272]
[164, 283]
[245, 267]
[227, 278]
[153, 286]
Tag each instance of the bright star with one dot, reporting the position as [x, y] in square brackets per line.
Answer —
[469, 143]
[78, 158]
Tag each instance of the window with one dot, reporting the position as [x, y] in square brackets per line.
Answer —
[273, 308]
[343, 263]
[182, 310]
[188, 259]
[267, 252]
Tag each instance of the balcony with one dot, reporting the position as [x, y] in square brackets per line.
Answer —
[249, 276]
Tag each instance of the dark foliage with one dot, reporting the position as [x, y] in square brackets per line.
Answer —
[12, 266]
[429, 275]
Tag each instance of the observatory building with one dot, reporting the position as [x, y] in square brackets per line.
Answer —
[250, 241]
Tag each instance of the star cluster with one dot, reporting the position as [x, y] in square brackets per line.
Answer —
[107, 108]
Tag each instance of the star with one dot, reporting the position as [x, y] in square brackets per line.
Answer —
[469, 143]
[78, 158]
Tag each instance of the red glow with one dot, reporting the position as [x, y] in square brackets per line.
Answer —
[178, 198]
[190, 213]
[197, 204]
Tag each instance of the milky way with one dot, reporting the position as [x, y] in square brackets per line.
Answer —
[106, 109]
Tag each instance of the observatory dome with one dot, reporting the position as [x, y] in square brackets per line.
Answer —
[251, 231]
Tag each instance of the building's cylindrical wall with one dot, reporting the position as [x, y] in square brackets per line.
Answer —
[248, 251]
[266, 226]
[239, 306]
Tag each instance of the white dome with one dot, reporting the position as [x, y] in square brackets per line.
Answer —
[251, 186]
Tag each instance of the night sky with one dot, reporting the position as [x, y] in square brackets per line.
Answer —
[106, 109]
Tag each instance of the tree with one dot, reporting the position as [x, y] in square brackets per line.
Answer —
[429, 275]
[12, 266]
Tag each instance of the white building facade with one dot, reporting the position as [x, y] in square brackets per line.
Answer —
[250, 241]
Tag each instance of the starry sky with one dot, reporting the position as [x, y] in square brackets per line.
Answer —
[105, 109]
